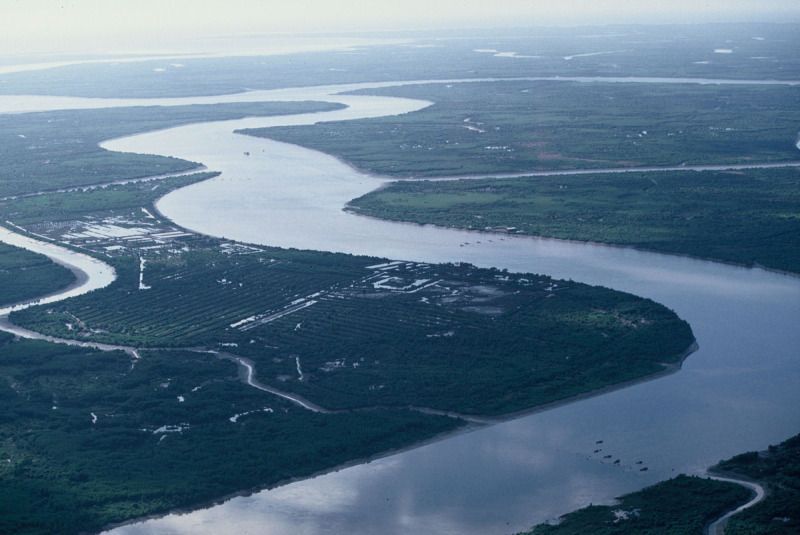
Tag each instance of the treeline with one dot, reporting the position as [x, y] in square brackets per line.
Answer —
[25, 275]
[90, 438]
[46, 151]
[747, 217]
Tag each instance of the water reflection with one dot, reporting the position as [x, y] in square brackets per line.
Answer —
[731, 396]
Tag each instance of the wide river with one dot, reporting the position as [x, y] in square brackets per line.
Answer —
[740, 391]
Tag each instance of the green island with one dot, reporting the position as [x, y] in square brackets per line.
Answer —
[749, 217]
[689, 504]
[369, 341]
[746, 216]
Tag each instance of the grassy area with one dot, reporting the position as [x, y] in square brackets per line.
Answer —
[509, 127]
[53, 150]
[675, 507]
[748, 217]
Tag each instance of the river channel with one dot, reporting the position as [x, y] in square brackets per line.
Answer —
[738, 392]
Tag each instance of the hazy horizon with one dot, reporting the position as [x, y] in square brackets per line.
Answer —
[118, 27]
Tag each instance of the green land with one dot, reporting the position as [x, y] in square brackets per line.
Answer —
[778, 469]
[89, 438]
[117, 438]
[688, 504]
[748, 217]
[25, 275]
[678, 506]
[522, 126]
[48, 151]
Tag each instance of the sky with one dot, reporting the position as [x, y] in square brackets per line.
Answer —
[118, 26]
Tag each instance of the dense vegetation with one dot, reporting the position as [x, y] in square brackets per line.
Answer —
[779, 469]
[518, 126]
[89, 438]
[679, 506]
[688, 504]
[470, 340]
[749, 217]
[53, 150]
[99, 202]
[131, 438]
[25, 275]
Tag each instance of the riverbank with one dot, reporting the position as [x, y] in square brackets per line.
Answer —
[666, 279]
[732, 217]
[90, 273]
[688, 287]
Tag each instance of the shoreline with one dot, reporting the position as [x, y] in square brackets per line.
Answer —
[472, 423]
[467, 428]
[62, 255]
[784, 272]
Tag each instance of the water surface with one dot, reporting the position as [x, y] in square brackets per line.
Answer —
[738, 392]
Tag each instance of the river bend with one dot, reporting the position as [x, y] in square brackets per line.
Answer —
[737, 393]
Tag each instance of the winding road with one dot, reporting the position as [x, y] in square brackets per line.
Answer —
[718, 526]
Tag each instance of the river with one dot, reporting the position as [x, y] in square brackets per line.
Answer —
[738, 392]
